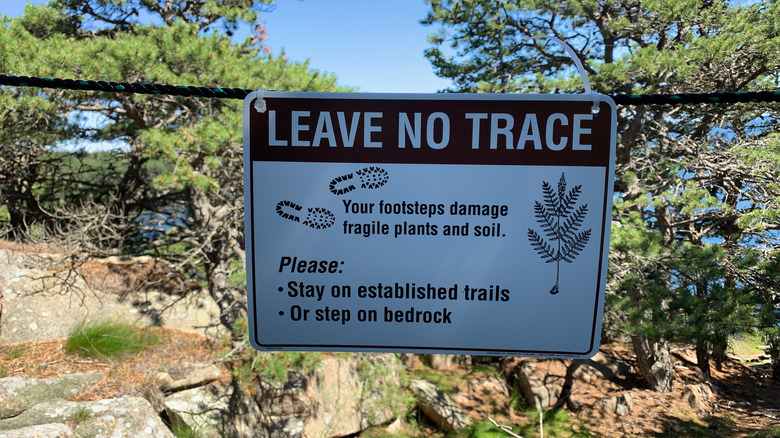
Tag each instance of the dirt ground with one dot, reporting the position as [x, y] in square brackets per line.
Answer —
[131, 375]
[745, 403]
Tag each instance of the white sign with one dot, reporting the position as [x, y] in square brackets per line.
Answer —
[447, 223]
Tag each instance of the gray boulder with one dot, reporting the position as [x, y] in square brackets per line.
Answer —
[55, 430]
[187, 377]
[438, 406]
[32, 314]
[619, 404]
[342, 397]
[215, 411]
[699, 396]
[18, 394]
[446, 361]
[545, 383]
[131, 417]
[539, 387]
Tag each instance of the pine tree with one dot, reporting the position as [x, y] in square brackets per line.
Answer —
[697, 191]
[174, 186]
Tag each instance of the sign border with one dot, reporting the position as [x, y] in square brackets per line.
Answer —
[249, 221]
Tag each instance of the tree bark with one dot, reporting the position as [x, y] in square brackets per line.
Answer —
[230, 299]
[774, 348]
[2, 302]
[719, 348]
[703, 346]
[654, 363]
[213, 230]
[703, 358]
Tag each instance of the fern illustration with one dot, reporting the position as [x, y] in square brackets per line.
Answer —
[560, 221]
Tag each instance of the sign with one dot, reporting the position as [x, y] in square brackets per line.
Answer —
[442, 223]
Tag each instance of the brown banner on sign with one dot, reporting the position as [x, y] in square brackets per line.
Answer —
[430, 131]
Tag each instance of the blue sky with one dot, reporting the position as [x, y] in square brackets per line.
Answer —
[376, 45]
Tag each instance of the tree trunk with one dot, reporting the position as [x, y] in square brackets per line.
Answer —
[231, 300]
[2, 301]
[218, 248]
[719, 348]
[774, 348]
[703, 346]
[703, 358]
[654, 363]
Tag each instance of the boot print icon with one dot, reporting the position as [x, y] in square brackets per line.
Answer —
[317, 218]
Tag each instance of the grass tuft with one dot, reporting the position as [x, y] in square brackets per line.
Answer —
[182, 430]
[108, 339]
[82, 414]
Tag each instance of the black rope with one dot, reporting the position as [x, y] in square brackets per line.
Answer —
[124, 87]
[240, 93]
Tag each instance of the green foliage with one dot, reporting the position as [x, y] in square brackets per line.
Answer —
[377, 377]
[746, 345]
[248, 364]
[713, 427]
[238, 274]
[82, 414]
[274, 366]
[18, 351]
[695, 233]
[773, 431]
[108, 339]
[483, 429]
[557, 423]
[181, 430]
[447, 381]
[172, 185]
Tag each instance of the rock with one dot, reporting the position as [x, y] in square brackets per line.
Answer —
[620, 404]
[163, 380]
[215, 410]
[188, 377]
[602, 367]
[480, 390]
[131, 417]
[438, 406]
[18, 394]
[539, 387]
[287, 399]
[445, 361]
[41, 431]
[408, 359]
[342, 397]
[545, 383]
[31, 315]
[397, 427]
[699, 396]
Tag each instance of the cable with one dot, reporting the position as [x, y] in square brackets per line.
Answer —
[124, 87]
[239, 93]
